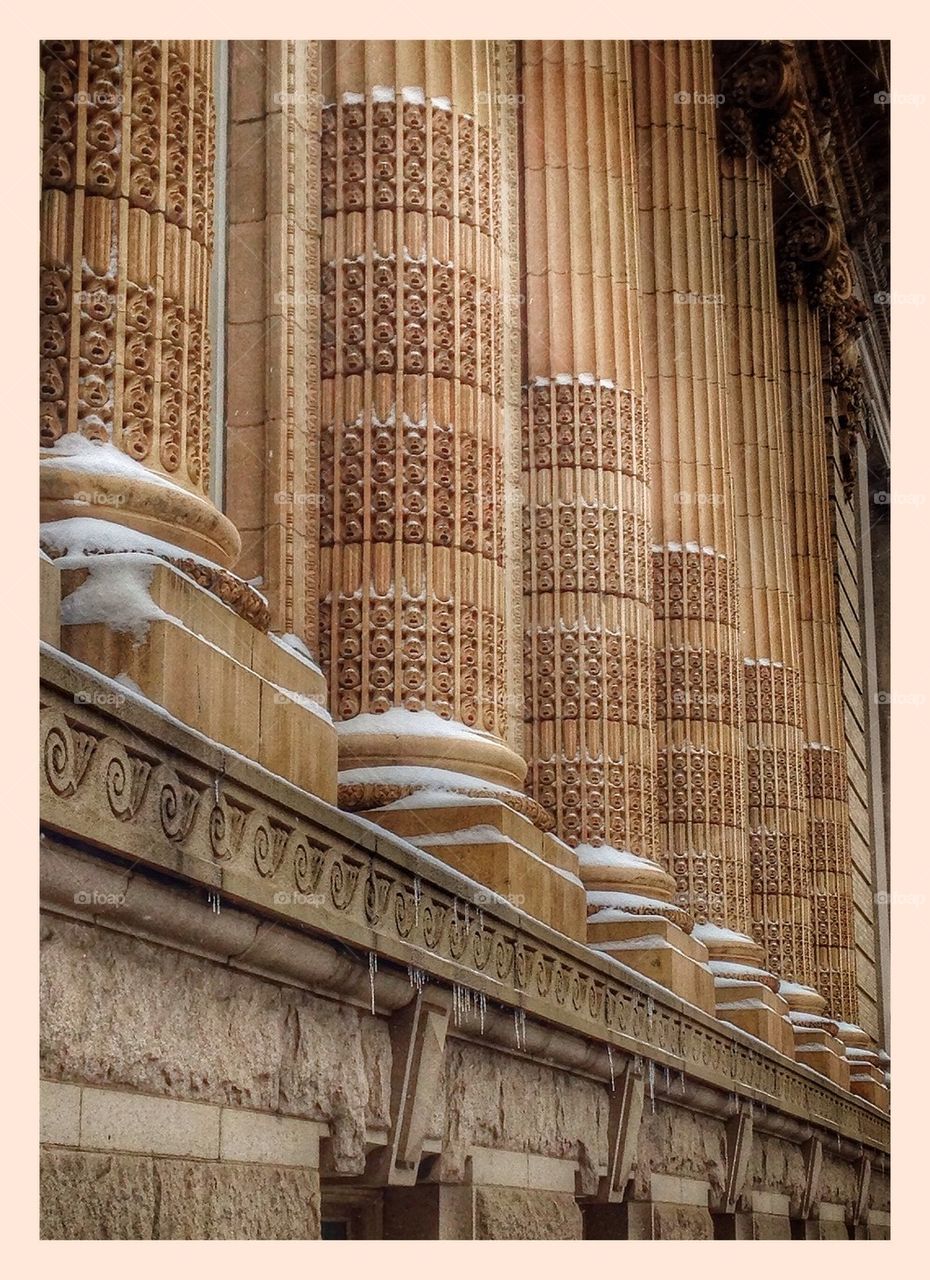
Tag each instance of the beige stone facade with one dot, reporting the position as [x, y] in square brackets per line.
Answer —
[462, 772]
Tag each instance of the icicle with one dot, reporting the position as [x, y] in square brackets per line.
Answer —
[610, 1063]
[458, 1003]
[372, 970]
[668, 1082]
[216, 789]
[682, 1076]
[482, 1009]
[652, 1085]
[519, 1028]
[417, 890]
[213, 901]
[416, 977]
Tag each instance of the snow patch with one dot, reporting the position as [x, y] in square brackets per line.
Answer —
[75, 452]
[709, 933]
[406, 723]
[115, 594]
[605, 855]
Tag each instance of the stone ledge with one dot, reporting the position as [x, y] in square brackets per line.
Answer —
[122, 1120]
[488, 1166]
[136, 783]
[671, 1190]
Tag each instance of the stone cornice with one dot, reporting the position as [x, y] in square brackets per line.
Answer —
[120, 776]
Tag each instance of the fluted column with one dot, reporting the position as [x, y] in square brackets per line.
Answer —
[416, 465]
[588, 636]
[825, 748]
[780, 883]
[701, 752]
[126, 243]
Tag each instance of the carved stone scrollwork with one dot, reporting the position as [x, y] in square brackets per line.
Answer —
[414, 570]
[814, 260]
[762, 108]
[808, 244]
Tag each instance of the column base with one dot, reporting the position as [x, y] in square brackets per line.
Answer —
[815, 1036]
[752, 1007]
[868, 1082]
[93, 479]
[633, 917]
[658, 949]
[821, 1052]
[746, 994]
[501, 849]
[139, 620]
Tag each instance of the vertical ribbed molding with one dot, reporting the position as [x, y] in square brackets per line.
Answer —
[417, 604]
[701, 751]
[780, 870]
[128, 156]
[825, 761]
[588, 621]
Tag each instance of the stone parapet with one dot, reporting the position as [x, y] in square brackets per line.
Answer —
[189, 808]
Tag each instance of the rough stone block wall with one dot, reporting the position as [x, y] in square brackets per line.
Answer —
[91, 1195]
[509, 1213]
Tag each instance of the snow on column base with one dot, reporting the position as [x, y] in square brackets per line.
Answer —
[816, 1041]
[633, 918]
[141, 621]
[484, 837]
[87, 478]
[746, 994]
[91, 536]
[429, 741]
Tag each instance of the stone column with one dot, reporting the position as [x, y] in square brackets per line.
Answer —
[419, 529]
[416, 456]
[126, 242]
[588, 635]
[701, 752]
[780, 872]
[272, 330]
[825, 748]
[127, 234]
[588, 653]
[696, 600]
